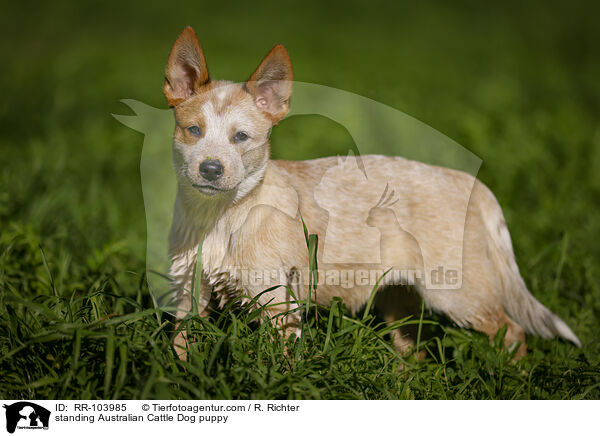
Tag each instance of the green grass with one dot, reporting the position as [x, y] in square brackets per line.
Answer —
[516, 85]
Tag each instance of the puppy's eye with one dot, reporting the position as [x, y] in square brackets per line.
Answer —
[194, 130]
[240, 137]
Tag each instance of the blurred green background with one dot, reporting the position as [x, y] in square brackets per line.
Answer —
[514, 82]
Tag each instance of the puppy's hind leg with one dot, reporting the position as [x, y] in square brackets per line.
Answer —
[394, 303]
[514, 332]
[476, 306]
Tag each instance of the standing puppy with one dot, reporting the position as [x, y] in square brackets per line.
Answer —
[245, 211]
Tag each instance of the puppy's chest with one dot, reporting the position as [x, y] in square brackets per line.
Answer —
[220, 266]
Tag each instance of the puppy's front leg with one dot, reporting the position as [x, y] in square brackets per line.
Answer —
[180, 341]
[182, 273]
[287, 324]
[285, 314]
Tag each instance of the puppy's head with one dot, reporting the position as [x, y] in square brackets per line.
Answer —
[221, 139]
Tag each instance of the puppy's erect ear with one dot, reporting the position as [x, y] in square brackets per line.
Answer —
[186, 68]
[271, 84]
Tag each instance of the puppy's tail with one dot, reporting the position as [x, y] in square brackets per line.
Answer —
[529, 313]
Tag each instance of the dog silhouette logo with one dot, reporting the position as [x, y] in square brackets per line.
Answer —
[26, 415]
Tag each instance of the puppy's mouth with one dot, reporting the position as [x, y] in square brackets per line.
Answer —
[208, 189]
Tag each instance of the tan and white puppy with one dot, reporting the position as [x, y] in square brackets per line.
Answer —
[245, 210]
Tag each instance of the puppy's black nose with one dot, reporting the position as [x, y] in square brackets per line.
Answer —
[211, 169]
